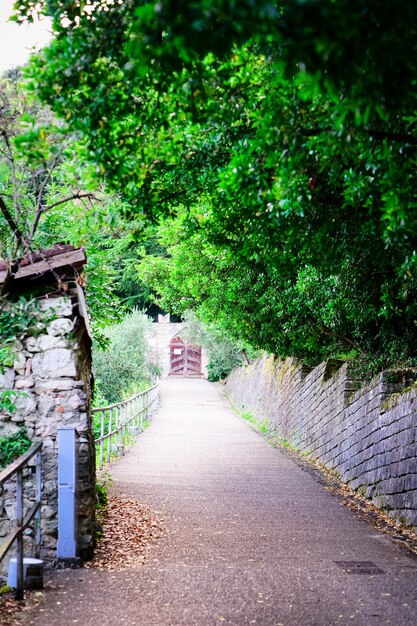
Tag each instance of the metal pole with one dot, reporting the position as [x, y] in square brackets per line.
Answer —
[109, 438]
[117, 418]
[19, 523]
[126, 422]
[102, 440]
[123, 422]
[38, 465]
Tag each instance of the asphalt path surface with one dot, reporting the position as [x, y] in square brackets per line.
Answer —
[251, 537]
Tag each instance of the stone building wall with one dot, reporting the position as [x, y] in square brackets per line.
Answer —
[367, 435]
[53, 373]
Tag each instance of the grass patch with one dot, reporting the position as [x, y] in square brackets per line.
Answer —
[263, 426]
[285, 443]
[250, 417]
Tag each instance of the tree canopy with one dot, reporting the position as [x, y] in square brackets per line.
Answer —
[274, 144]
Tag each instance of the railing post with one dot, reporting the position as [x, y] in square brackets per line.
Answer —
[37, 520]
[138, 413]
[123, 418]
[102, 440]
[116, 424]
[109, 432]
[131, 421]
[67, 491]
[23, 519]
[19, 541]
[124, 429]
[141, 412]
[121, 424]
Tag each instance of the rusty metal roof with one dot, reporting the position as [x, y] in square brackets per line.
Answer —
[56, 258]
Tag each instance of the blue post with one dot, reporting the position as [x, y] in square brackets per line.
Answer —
[67, 493]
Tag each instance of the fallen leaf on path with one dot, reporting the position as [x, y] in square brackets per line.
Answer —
[129, 530]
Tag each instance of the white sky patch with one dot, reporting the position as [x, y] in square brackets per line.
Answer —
[17, 42]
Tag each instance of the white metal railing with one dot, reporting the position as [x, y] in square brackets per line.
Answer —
[120, 421]
[23, 519]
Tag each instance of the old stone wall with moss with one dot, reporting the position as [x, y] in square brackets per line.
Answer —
[51, 374]
[367, 435]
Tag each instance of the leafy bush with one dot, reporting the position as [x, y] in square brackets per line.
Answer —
[21, 318]
[102, 491]
[126, 366]
[7, 399]
[102, 500]
[225, 355]
[13, 446]
[224, 352]
[18, 319]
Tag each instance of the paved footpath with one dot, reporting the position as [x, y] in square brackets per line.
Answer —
[252, 538]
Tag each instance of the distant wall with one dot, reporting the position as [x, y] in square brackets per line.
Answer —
[159, 337]
[367, 435]
[53, 371]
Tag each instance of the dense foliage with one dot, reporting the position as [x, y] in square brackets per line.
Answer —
[278, 138]
[127, 366]
[19, 319]
[48, 194]
[13, 446]
[224, 353]
[39, 174]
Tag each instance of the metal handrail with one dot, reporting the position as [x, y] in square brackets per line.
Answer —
[119, 417]
[116, 404]
[23, 521]
[20, 462]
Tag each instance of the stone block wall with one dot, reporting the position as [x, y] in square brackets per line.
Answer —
[367, 435]
[52, 375]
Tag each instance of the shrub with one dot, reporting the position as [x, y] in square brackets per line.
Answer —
[126, 366]
[224, 352]
[13, 446]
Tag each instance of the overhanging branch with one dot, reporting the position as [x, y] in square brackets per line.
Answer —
[17, 233]
[75, 196]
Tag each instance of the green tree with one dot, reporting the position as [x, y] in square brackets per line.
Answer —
[224, 353]
[281, 133]
[126, 366]
[48, 195]
[36, 178]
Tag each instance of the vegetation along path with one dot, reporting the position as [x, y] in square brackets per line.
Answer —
[250, 537]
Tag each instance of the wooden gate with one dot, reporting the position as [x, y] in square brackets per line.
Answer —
[185, 360]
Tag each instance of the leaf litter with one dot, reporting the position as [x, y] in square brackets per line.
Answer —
[129, 530]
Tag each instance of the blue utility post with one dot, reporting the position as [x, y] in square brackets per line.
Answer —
[67, 493]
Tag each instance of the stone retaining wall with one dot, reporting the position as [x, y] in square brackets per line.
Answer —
[52, 373]
[368, 435]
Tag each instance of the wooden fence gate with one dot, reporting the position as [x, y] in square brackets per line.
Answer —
[185, 360]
